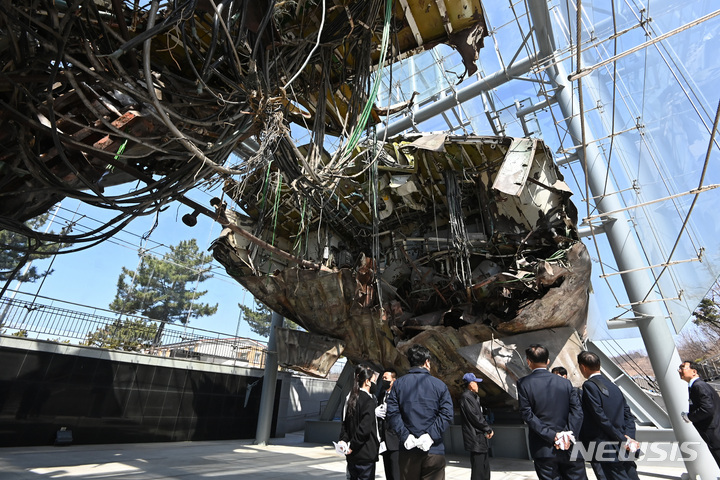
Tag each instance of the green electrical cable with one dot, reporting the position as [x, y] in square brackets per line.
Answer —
[276, 209]
[360, 127]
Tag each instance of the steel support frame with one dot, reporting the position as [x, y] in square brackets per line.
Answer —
[651, 322]
[267, 396]
[476, 88]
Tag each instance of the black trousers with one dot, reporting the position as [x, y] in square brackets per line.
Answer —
[480, 466]
[418, 465]
[553, 468]
[391, 462]
[360, 472]
[715, 453]
[597, 469]
[619, 470]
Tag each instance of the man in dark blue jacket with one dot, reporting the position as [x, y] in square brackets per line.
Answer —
[608, 427]
[552, 411]
[704, 408]
[419, 409]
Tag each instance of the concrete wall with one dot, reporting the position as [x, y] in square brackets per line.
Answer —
[105, 396]
[307, 397]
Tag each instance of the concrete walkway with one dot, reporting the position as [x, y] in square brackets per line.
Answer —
[287, 458]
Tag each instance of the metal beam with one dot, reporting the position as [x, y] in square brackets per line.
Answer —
[586, 70]
[642, 406]
[463, 95]
[342, 388]
[622, 240]
[267, 397]
[521, 112]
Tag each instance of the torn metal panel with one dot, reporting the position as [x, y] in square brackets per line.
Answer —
[306, 352]
[515, 169]
[422, 249]
[502, 360]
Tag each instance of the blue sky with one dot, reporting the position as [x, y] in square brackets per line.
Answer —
[90, 277]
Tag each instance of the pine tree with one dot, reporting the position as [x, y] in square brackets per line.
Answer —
[19, 249]
[129, 335]
[159, 288]
[260, 319]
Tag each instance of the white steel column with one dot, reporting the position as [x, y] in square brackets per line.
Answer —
[267, 397]
[653, 326]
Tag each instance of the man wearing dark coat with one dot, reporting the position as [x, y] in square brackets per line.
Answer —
[551, 409]
[476, 431]
[419, 410]
[704, 408]
[608, 424]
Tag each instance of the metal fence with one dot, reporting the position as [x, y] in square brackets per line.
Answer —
[710, 368]
[40, 318]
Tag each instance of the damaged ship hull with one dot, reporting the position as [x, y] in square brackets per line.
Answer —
[450, 242]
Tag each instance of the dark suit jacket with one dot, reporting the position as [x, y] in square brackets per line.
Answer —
[705, 412]
[474, 426]
[420, 403]
[359, 430]
[387, 435]
[548, 405]
[606, 415]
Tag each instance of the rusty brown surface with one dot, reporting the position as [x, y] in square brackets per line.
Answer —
[307, 352]
[455, 262]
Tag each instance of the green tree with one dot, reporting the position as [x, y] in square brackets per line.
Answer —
[260, 319]
[19, 249]
[159, 288]
[130, 335]
[707, 313]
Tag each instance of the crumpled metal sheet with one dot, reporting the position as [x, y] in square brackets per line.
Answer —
[502, 360]
[309, 353]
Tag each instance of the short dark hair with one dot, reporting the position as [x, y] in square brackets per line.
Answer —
[559, 371]
[391, 371]
[537, 353]
[589, 359]
[692, 365]
[417, 354]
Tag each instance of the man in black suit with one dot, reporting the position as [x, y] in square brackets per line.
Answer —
[608, 424]
[476, 431]
[704, 408]
[391, 454]
[552, 411]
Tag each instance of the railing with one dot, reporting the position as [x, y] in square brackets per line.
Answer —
[42, 319]
[710, 368]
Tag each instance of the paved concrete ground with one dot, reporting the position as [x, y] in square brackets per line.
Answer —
[287, 458]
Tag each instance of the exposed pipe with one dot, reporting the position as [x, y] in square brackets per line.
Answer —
[463, 95]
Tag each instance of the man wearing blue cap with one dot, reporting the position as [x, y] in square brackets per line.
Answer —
[476, 431]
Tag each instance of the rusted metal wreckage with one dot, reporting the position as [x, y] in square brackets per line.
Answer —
[95, 93]
[463, 244]
[457, 243]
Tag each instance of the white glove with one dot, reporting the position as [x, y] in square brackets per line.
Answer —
[631, 445]
[564, 440]
[685, 417]
[381, 410]
[410, 442]
[424, 442]
[343, 447]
